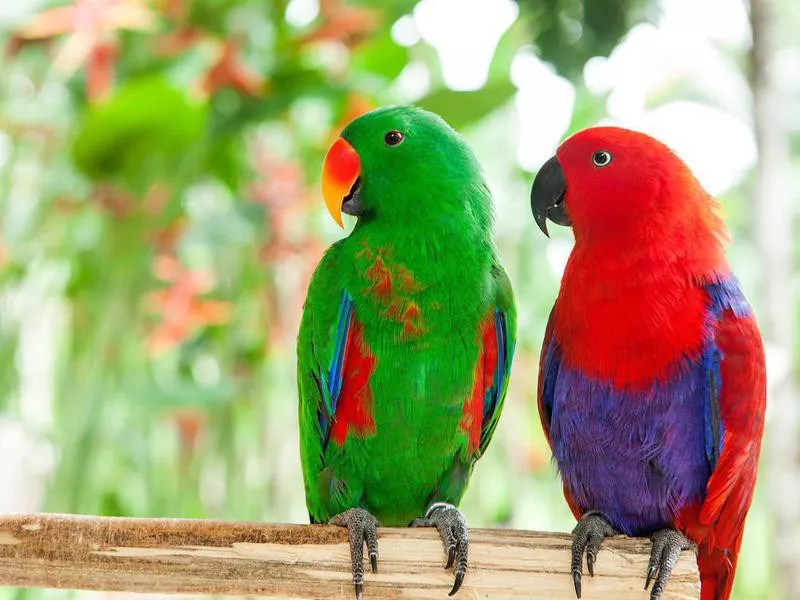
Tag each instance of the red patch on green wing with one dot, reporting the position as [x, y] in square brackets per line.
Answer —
[412, 321]
[381, 280]
[472, 416]
[407, 281]
[354, 410]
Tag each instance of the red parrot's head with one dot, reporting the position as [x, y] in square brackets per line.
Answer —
[614, 184]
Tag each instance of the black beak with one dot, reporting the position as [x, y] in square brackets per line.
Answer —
[351, 204]
[547, 196]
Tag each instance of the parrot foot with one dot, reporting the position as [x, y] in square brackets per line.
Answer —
[452, 526]
[587, 536]
[361, 527]
[667, 547]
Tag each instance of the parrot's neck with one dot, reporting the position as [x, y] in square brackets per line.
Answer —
[634, 316]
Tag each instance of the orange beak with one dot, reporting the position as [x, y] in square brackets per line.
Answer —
[340, 170]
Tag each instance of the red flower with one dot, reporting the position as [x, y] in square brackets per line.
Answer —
[180, 306]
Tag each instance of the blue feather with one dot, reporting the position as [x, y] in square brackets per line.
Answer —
[727, 294]
[336, 369]
[714, 428]
[332, 386]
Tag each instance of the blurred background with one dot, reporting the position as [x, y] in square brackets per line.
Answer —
[160, 217]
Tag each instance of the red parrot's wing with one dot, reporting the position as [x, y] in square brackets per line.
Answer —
[734, 422]
[549, 364]
[738, 388]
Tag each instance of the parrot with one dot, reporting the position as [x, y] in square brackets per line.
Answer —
[652, 385]
[407, 335]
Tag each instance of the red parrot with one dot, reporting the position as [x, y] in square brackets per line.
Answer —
[652, 386]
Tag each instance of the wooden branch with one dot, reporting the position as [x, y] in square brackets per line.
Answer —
[305, 561]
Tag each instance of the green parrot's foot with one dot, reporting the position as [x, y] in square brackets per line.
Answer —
[587, 536]
[452, 526]
[667, 547]
[361, 527]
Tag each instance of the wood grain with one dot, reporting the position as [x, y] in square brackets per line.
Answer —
[307, 561]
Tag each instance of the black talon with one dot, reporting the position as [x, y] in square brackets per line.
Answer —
[576, 579]
[373, 561]
[452, 527]
[451, 556]
[359, 591]
[587, 537]
[650, 572]
[457, 584]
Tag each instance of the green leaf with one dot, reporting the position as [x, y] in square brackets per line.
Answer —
[461, 109]
[144, 129]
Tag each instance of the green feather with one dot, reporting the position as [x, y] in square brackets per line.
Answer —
[428, 226]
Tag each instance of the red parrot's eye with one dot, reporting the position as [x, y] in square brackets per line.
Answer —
[601, 158]
[393, 138]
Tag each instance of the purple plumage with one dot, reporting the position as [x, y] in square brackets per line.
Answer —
[657, 440]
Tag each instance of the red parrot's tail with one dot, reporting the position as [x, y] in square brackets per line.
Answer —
[717, 568]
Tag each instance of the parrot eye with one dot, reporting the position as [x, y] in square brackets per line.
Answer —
[393, 138]
[601, 158]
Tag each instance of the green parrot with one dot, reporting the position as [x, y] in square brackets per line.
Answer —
[407, 335]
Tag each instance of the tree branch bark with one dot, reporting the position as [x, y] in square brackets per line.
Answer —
[308, 561]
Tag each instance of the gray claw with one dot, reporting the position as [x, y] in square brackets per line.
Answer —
[361, 528]
[587, 536]
[667, 547]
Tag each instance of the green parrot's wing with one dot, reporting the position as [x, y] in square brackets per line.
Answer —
[313, 409]
[333, 368]
[504, 342]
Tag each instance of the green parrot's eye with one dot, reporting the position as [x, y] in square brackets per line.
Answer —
[393, 138]
[601, 158]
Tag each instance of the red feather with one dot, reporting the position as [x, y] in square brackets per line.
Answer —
[354, 409]
[472, 417]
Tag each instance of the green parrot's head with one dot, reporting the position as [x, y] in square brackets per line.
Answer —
[407, 166]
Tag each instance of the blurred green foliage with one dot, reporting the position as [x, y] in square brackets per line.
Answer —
[570, 32]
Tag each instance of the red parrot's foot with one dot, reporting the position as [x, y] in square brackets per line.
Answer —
[361, 527]
[667, 547]
[452, 526]
[587, 536]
